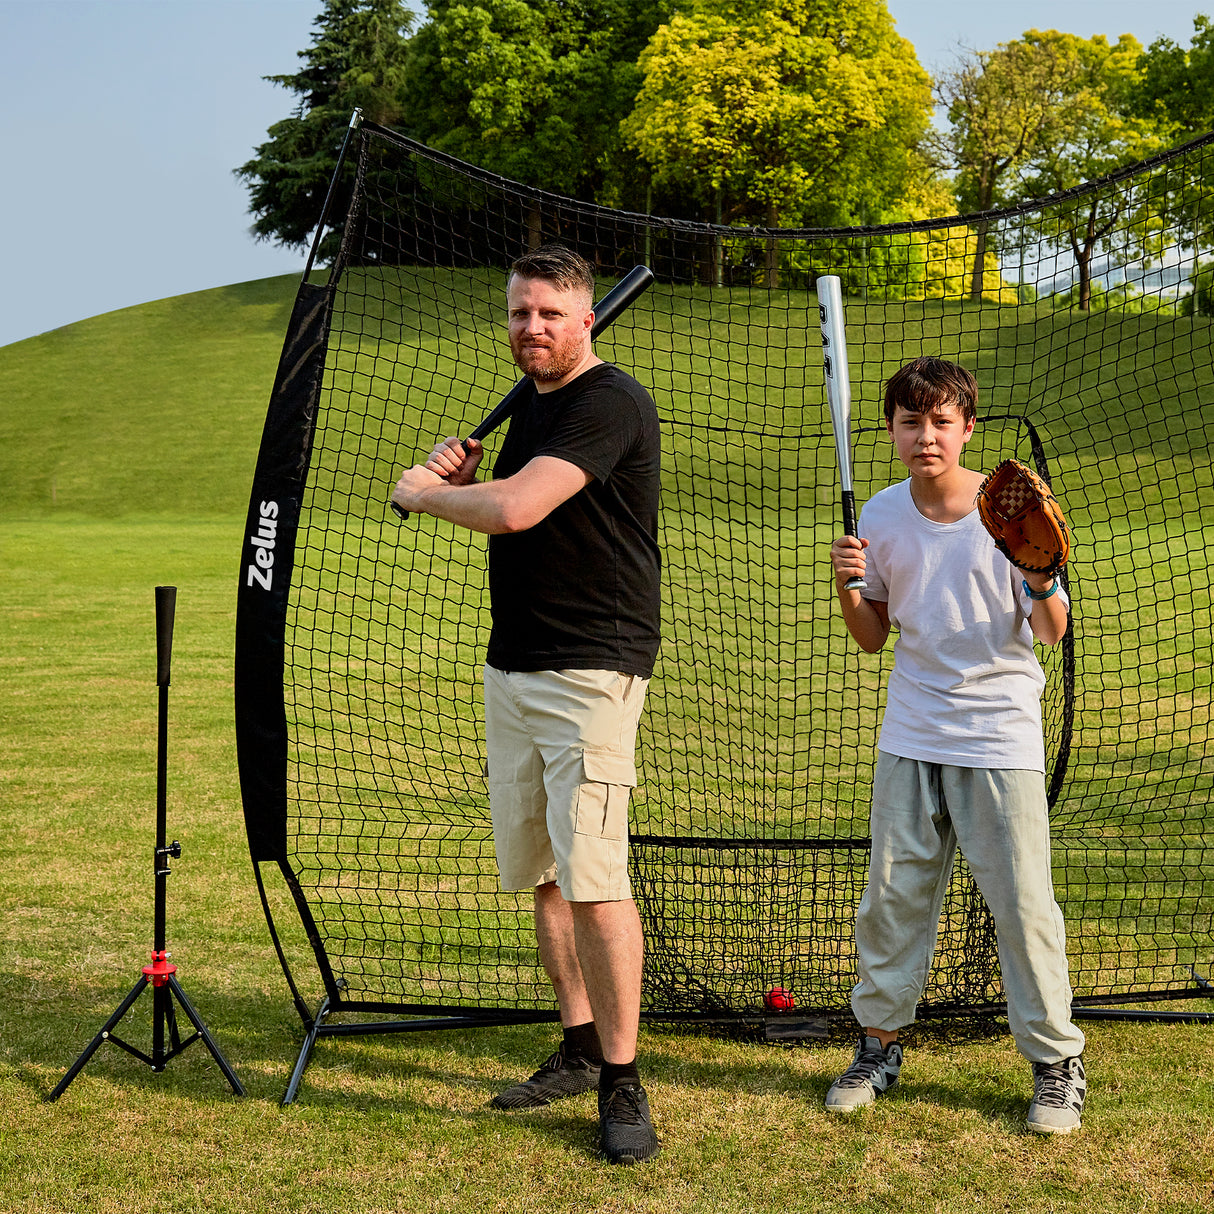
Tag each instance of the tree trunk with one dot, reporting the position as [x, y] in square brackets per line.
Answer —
[979, 271]
[986, 195]
[706, 251]
[647, 230]
[718, 250]
[1083, 259]
[771, 253]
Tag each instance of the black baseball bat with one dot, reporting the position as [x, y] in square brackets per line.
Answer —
[608, 309]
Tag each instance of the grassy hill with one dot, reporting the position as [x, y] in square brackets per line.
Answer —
[151, 410]
[157, 410]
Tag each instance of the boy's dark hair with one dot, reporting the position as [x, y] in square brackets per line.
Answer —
[556, 264]
[926, 383]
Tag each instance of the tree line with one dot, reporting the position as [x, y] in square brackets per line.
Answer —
[768, 113]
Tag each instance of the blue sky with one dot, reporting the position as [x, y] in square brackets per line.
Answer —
[121, 122]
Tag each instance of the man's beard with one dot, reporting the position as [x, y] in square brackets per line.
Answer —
[560, 360]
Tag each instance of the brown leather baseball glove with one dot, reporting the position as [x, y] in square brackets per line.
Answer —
[1024, 518]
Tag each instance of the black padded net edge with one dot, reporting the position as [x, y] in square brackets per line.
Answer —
[360, 639]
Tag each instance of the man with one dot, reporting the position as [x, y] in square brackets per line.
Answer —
[571, 515]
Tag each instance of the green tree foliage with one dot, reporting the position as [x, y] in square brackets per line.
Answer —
[1200, 300]
[356, 61]
[1093, 133]
[532, 89]
[1177, 83]
[1176, 90]
[781, 112]
[1001, 105]
[915, 264]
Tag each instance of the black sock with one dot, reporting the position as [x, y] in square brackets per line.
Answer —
[619, 1074]
[582, 1040]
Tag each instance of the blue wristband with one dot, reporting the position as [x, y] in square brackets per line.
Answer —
[1038, 595]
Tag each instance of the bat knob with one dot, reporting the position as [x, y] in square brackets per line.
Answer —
[856, 583]
[400, 512]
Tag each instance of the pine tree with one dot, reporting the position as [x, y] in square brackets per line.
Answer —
[356, 61]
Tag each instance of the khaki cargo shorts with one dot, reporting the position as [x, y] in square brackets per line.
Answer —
[561, 748]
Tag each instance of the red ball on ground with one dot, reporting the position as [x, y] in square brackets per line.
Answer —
[779, 1000]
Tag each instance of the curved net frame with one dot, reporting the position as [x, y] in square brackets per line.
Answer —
[360, 639]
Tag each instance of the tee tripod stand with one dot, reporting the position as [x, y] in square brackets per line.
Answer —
[161, 974]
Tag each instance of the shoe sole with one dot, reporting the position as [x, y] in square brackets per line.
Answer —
[862, 1104]
[1053, 1129]
[523, 1106]
[629, 1160]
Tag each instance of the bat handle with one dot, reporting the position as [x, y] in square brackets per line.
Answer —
[849, 526]
[399, 510]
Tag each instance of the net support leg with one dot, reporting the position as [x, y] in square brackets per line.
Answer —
[305, 1051]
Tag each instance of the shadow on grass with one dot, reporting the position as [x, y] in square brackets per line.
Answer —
[994, 1102]
[449, 1073]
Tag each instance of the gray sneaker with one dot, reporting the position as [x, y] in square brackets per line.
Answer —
[1058, 1092]
[873, 1071]
[560, 1076]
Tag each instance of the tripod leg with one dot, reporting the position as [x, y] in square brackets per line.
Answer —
[207, 1039]
[165, 1017]
[91, 1048]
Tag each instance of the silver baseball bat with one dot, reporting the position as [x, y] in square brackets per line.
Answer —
[838, 395]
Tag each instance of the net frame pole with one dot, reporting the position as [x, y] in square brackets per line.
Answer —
[355, 122]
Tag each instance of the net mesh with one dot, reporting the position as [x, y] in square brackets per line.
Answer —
[750, 826]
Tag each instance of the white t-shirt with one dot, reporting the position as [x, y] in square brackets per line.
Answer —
[966, 686]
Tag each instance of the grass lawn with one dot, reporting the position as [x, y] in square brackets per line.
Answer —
[400, 1123]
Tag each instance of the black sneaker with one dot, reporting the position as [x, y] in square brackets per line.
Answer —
[560, 1076]
[626, 1132]
[1058, 1093]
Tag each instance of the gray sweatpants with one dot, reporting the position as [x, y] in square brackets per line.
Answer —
[921, 813]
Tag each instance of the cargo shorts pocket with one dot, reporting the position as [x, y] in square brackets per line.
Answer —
[608, 779]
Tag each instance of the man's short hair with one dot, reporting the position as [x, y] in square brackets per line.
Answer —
[558, 265]
[929, 383]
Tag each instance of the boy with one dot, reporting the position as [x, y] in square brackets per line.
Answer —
[961, 760]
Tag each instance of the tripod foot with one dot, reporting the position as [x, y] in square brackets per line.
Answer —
[164, 991]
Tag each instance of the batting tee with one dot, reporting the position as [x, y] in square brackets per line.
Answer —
[359, 639]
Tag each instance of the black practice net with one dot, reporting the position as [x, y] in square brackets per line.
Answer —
[360, 639]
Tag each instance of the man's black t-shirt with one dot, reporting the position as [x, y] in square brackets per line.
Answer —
[581, 590]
